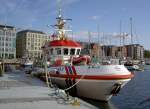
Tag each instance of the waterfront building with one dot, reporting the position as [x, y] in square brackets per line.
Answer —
[7, 42]
[92, 49]
[85, 47]
[122, 52]
[29, 42]
[135, 51]
[110, 51]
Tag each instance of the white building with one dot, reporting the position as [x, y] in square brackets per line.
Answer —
[7, 42]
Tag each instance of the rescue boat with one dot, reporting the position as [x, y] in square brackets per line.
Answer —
[76, 74]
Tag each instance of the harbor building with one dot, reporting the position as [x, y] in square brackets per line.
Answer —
[135, 51]
[110, 51]
[92, 49]
[7, 42]
[121, 52]
[29, 43]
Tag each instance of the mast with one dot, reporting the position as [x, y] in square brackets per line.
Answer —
[98, 29]
[131, 30]
[121, 52]
[132, 49]
[60, 24]
[120, 31]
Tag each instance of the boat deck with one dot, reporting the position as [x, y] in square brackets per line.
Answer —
[22, 91]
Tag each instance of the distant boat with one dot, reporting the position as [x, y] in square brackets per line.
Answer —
[26, 61]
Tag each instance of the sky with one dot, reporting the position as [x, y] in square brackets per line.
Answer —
[89, 18]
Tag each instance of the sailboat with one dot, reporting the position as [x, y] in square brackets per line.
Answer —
[133, 64]
[76, 74]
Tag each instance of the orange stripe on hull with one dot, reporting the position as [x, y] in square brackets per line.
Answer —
[94, 77]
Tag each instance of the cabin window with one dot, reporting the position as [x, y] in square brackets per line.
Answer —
[58, 51]
[78, 52]
[72, 51]
[51, 51]
[65, 51]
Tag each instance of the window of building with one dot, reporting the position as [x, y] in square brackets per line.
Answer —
[13, 34]
[1, 32]
[6, 44]
[11, 56]
[13, 50]
[6, 49]
[58, 51]
[66, 51]
[51, 51]
[72, 51]
[7, 33]
[6, 38]
[78, 52]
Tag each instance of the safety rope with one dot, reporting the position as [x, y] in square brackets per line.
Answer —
[76, 82]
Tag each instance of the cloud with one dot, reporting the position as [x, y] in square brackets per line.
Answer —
[95, 17]
[66, 2]
[28, 13]
[85, 35]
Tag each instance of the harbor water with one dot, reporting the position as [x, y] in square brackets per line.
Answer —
[134, 95]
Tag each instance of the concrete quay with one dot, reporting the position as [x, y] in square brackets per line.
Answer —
[22, 91]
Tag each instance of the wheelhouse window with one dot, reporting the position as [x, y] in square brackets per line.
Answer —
[78, 52]
[51, 51]
[58, 51]
[66, 51]
[72, 51]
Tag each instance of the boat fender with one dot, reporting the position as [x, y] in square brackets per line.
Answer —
[116, 89]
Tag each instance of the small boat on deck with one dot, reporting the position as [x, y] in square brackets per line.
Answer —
[77, 74]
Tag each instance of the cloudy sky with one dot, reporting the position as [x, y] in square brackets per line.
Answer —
[86, 16]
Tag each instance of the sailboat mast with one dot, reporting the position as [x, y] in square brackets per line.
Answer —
[132, 49]
[120, 32]
[89, 45]
[131, 30]
[98, 30]
[120, 38]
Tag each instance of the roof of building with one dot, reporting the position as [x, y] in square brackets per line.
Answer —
[67, 43]
[6, 26]
[31, 31]
[134, 45]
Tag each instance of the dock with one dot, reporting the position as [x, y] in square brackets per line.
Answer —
[19, 90]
